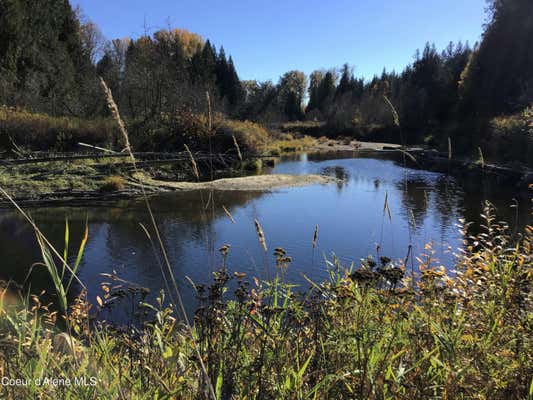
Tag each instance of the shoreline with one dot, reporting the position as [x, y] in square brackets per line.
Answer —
[417, 157]
[253, 183]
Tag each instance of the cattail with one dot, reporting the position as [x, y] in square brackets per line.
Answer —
[228, 214]
[193, 163]
[260, 235]
[449, 148]
[116, 115]
[237, 147]
[315, 236]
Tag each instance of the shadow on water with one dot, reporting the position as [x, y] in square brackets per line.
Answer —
[425, 207]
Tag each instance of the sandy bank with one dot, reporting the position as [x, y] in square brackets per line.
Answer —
[354, 145]
[246, 183]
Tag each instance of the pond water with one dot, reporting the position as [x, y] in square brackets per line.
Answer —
[424, 208]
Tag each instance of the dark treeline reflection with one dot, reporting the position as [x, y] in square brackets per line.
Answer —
[425, 207]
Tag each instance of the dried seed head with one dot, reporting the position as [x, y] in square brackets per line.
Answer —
[116, 115]
[193, 163]
[260, 235]
[315, 236]
[228, 214]
[279, 251]
[237, 147]
[224, 250]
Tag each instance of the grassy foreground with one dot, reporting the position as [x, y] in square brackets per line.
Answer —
[367, 333]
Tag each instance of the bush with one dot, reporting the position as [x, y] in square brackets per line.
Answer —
[112, 184]
[250, 136]
[254, 165]
[170, 131]
[36, 131]
[510, 138]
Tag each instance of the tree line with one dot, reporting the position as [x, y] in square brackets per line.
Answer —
[50, 58]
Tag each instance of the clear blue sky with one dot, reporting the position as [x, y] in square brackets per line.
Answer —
[268, 38]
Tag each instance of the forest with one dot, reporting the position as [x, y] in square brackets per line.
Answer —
[475, 95]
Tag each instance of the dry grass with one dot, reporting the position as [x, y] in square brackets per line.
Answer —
[371, 332]
[112, 184]
[34, 131]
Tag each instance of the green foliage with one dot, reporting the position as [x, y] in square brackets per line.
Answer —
[170, 70]
[43, 63]
[252, 165]
[292, 86]
[510, 138]
[499, 77]
[366, 333]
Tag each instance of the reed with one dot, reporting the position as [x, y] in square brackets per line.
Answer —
[228, 214]
[194, 166]
[315, 236]
[237, 147]
[260, 235]
[116, 115]
[395, 115]
[481, 158]
[366, 333]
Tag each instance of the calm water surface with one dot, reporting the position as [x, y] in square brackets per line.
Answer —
[425, 207]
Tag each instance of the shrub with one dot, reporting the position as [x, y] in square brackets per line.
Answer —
[170, 131]
[510, 138]
[254, 165]
[112, 184]
[36, 131]
[274, 152]
[250, 136]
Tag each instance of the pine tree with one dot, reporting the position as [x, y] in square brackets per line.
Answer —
[42, 56]
[222, 73]
[234, 88]
[345, 83]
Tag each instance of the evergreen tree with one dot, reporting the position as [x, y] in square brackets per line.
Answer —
[234, 87]
[222, 73]
[499, 75]
[42, 58]
[346, 81]
[326, 92]
[315, 80]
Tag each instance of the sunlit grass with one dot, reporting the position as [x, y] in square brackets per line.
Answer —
[369, 332]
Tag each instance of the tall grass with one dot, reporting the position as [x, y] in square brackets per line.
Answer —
[28, 130]
[366, 333]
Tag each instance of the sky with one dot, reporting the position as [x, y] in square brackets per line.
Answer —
[269, 38]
